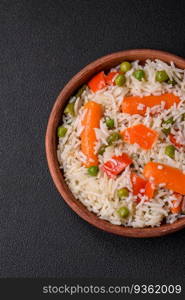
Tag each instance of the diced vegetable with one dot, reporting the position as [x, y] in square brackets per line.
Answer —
[140, 134]
[123, 212]
[139, 74]
[91, 121]
[80, 91]
[125, 66]
[176, 209]
[172, 82]
[166, 131]
[138, 183]
[169, 121]
[97, 82]
[183, 117]
[174, 141]
[116, 165]
[110, 123]
[173, 178]
[101, 80]
[93, 170]
[115, 136]
[123, 193]
[120, 80]
[61, 131]
[142, 186]
[138, 105]
[109, 77]
[161, 76]
[170, 151]
[102, 149]
[149, 190]
[69, 109]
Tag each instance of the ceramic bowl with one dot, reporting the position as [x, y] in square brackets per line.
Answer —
[104, 63]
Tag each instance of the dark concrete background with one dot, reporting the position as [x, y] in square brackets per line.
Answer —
[43, 43]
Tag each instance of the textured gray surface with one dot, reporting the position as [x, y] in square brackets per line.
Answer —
[42, 45]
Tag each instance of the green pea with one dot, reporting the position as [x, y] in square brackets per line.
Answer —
[172, 82]
[115, 136]
[80, 91]
[102, 149]
[123, 212]
[110, 123]
[123, 193]
[120, 79]
[69, 109]
[125, 66]
[166, 131]
[170, 151]
[93, 170]
[169, 121]
[161, 76]
[183, 117]
[61, 131]
[139, 74]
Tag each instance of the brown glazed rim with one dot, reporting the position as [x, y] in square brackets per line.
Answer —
[103, 63]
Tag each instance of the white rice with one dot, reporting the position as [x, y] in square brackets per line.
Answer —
[99, 194]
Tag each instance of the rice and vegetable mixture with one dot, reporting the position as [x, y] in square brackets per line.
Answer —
[122, 144]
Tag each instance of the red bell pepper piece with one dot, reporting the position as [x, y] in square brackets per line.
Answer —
[116, 165]
[142, 186]
[110, 76]
[149, 190]
[138, 183]
[174, 141]
[97, 82]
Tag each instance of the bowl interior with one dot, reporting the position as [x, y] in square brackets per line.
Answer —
[104, 63]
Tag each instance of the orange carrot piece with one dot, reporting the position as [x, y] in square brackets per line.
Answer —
[174, 141]
[88, 137]
[110, 76]
[140, 134]
[97, 82]
[137, 105]
[173, 178]
[177, 204]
